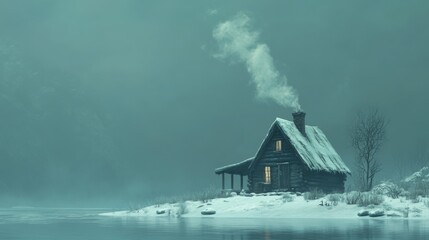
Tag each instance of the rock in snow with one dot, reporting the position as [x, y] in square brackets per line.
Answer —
[393, 214]
[376, 213]
[160, 211]
[363, 213]
[208, 211]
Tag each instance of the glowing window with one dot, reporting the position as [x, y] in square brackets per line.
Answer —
[267, 174]
[278, 145]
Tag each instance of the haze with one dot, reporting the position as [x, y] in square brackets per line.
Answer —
[110, 103]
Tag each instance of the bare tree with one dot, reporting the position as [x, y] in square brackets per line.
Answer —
[367, 136]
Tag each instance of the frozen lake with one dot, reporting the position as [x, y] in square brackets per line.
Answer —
[64, 224]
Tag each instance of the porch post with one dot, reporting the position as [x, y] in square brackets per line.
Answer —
[223, 181]
[232, 181]
[241, 182]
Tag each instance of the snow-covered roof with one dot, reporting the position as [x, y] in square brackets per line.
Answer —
[314, 148]
[236, 168]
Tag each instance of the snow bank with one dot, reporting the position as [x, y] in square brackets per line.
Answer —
[419, 176]
[275, 206]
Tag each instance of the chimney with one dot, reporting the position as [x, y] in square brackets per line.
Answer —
[299, 120]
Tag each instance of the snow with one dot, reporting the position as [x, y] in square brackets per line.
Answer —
[376, 213]
[235, 165]
[419, 176]
[315, 149]
[274, 206]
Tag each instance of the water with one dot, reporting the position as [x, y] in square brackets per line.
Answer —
[65, 224]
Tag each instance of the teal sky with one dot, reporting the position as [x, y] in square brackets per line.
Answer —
[114, 102]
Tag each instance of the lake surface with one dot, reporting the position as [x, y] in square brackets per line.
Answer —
[65, 224]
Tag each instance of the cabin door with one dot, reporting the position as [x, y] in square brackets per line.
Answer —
[284, 176]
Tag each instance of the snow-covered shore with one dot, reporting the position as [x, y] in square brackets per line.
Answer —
[276, 206]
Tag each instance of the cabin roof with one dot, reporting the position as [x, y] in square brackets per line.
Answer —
[240, 168]
[314, 148]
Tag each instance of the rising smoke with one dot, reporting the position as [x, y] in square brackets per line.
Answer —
[238, 42]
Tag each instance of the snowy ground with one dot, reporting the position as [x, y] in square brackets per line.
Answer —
[274, 206]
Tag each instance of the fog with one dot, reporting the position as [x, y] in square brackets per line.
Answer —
[110, 103]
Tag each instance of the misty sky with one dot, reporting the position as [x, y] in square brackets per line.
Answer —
[109, 103]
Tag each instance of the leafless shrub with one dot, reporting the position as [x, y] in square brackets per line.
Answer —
[287, 197]
[370, 198]
[389, 189]
[335, 198]
[416, 210]
[203, 196]
[207, 195]
[182, 209]
[352, 197]
[313, 194]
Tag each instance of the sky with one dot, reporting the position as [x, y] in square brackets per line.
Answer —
[112, 103]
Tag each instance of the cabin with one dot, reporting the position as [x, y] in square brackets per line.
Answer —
[292, 157]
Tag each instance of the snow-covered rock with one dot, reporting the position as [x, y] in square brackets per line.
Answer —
[363, 213]
[161, 211]
[393, 214]
[376, 213]
[208, 211]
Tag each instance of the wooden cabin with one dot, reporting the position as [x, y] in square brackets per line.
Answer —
[292, 157]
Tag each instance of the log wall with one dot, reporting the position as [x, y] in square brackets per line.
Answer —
[301, 178]
[270, 157]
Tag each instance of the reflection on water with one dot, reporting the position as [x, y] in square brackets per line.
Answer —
[86, 224]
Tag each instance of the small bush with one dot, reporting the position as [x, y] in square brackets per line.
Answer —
[313, 195]
[352, 197]
[416, 210]
[405, 212]
[182, 209]
[370, 206]
[287, 197]
[387, 207]
[389, 189]
[335, 198]
[208, 194]
[415, 198]
[134, 207]
[405, 194]
[370, 198]
[203, 196]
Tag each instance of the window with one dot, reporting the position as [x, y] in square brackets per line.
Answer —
[267, 175]
[278, 145]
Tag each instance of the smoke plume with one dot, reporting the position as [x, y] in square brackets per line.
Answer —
[237, 41]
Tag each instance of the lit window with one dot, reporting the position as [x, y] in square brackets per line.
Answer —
[267, 174]
[278, 145]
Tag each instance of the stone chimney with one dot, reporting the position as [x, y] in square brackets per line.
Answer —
[299, 120]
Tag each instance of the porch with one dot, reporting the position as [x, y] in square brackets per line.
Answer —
[240, 169]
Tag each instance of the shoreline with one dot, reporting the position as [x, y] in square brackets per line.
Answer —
[276, 207]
